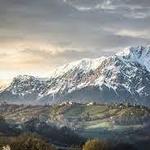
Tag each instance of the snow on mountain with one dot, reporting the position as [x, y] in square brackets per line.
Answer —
[138, 54]
[82, 65]
[122, 77]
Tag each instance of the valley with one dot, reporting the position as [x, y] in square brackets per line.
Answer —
[89, 120]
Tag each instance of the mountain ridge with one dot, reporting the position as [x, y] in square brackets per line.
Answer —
[123, 77]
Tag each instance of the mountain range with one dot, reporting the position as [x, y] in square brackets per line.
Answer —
[121, 78]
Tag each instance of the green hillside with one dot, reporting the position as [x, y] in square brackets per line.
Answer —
[89, 120]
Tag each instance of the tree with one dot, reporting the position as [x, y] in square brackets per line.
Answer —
[96, 145]
[30, 142]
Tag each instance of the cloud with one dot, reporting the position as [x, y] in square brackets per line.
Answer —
[145, 34]
[60, 56]
[87, 5]
[3, 55]
[133, 9]
[42, 34]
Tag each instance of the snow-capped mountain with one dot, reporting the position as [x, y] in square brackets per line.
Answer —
[124, 77]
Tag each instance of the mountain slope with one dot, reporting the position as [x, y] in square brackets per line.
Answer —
[124, 77]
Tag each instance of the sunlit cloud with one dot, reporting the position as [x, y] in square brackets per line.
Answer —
[125, 8]
[129, 32]
[37, 36]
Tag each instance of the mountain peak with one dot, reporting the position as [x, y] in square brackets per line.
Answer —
[24, 77]
[137, 51]
[85, 65]
[139, 54]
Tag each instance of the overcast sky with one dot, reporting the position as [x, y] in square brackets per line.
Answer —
[38, 35]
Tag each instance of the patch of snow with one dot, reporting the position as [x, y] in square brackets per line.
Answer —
[140, 89]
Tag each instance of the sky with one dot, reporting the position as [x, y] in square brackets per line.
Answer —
[36, 36]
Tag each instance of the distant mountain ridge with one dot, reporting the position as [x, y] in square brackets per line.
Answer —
[124, 77]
